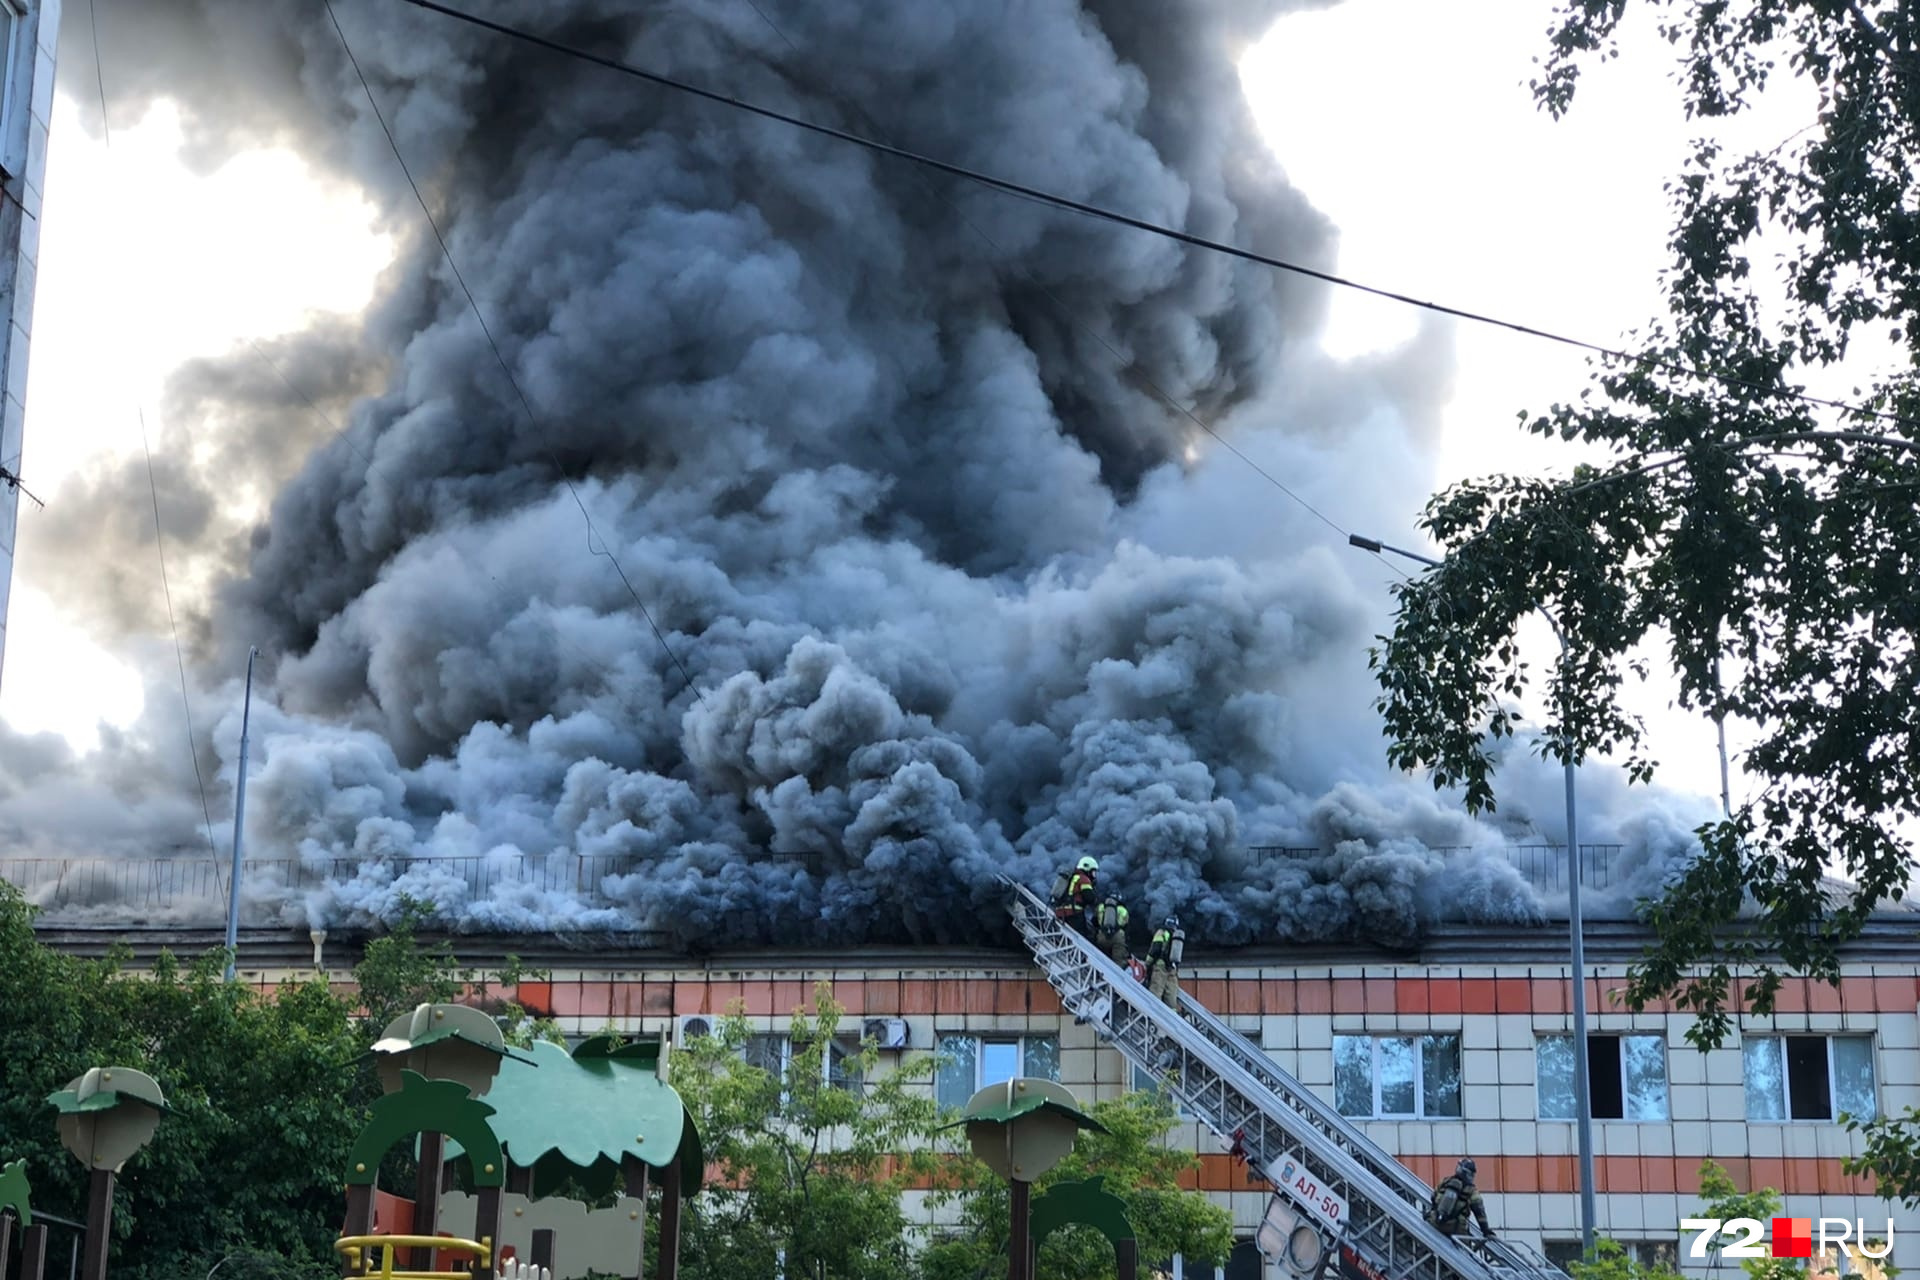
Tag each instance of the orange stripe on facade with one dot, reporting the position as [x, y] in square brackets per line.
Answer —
[1010, 995]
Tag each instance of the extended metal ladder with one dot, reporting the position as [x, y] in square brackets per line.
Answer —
[1366, 1204]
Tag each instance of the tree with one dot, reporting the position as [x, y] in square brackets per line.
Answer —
[1766, 542]
[268, 1091]
[1137, 1168]
[814, 1147]
[1723, 1202]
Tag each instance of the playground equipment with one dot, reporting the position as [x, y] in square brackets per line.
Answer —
[1066, 1204]
[601, 1116]
[1020, 1129]
[104, 1117]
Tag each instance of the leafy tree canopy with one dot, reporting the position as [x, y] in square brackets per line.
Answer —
[1138, 1168]
[268, 1093]
[1768, 545]
[814, 1145]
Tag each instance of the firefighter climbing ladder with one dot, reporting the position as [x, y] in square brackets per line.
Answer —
[1363, 1201]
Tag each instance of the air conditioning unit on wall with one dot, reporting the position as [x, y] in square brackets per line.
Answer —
[888, 1033]
[694, 1027]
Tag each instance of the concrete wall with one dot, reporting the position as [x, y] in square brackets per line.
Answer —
[26, 89]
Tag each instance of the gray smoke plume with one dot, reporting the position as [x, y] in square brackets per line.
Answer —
[950, 591]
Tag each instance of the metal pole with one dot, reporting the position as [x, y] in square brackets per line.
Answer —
[1582, 1096]
[1720, 724]
[1582, 1105]
[239, 825]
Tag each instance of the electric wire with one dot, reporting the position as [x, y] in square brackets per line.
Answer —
[153, 492]
[486, 330]
[1090, 331]
[1114, 216]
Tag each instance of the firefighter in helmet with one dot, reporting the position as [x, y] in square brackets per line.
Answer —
[1074, 901]
[1110, 928]
[1163, 961]
[1455, 1199]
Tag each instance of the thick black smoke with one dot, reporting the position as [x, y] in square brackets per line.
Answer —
[955, 592]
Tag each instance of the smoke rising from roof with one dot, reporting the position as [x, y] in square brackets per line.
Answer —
[954, 597]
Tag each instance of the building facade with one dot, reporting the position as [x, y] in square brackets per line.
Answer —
[1461, 1049]
[29, 33]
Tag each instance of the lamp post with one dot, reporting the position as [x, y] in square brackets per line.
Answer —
[239, 824]
[1582, 1109]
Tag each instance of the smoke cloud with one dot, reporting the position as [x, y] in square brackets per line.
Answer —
[950, 591]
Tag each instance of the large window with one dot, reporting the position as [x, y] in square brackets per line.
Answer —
[1397, 1077]
[774, 1054]
[1626, 1077]
[1651, 1254]
[971, 1063]
[13, 25]
[1809, 1077]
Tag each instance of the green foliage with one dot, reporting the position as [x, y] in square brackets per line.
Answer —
[1768, 545]
[808, 1168]
[1612, 1262]
[1890, 1154]
[1723, 1200]
[1137, 1168]
[269, 1093]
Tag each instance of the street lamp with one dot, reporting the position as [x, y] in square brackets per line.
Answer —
[1583, 1120]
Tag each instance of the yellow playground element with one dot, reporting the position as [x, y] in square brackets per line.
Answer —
[358, 1249]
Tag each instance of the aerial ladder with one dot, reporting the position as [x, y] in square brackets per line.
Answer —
[1366, 1209]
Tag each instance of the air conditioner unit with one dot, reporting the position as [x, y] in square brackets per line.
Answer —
[887, 1033]
[693, 1028]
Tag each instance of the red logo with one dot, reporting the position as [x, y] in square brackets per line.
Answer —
[1792, 1237]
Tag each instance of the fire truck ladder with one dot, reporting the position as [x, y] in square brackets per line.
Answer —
[1314, 1157]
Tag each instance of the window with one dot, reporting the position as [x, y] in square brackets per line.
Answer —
[13, 96]
[1648, 1253]
[1808, 1077]
[1145, 1081]
[971, 1063]
[1388, 1077]
[1626, 1077]
[773, 1054]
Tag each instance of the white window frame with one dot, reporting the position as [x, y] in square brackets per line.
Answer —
[1786, 1075]
[1640, 1250]
[1620, 1039]
[1140, 1080]
[15, 96]
[784, 1040]
[1419, 1074]
[981, 1039]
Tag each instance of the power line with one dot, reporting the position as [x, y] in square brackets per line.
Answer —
[153, 492]
[526, 406]
[1140, 224]
[1092, 331]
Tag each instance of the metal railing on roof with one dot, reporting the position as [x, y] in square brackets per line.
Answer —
[188, 892]
[1544, 866]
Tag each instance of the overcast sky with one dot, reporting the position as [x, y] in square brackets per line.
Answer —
[1408, 122]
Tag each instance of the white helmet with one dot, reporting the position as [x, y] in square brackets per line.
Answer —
[1089, 864]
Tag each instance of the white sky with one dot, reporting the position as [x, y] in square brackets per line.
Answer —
[1407, 121]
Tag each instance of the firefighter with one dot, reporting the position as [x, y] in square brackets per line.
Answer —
[1074, 901]
[1455, 1199]
[1110, 928]
[1163, 962]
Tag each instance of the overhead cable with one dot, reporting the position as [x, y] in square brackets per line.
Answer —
[525, 405]
[1140, 224]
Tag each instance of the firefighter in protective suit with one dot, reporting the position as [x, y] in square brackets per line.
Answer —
[1455, 1199]
[1163, 962]
[1073, 901]
[1110, 928]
